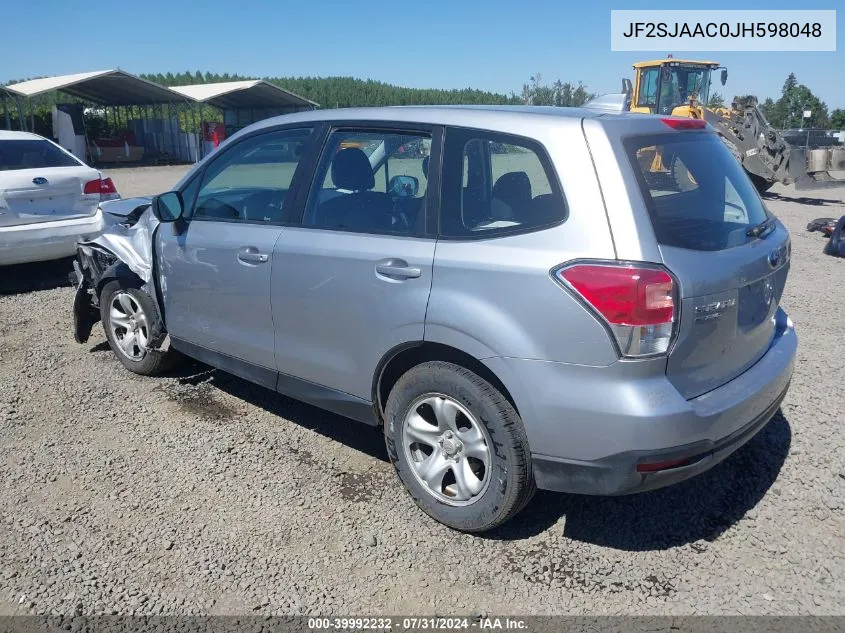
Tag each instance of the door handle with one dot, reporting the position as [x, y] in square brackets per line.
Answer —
[398, 268]
[250, 255]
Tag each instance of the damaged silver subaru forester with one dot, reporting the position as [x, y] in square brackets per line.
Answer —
[520, 297]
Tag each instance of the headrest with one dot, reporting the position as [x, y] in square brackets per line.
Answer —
[515, 186]
[351, 170]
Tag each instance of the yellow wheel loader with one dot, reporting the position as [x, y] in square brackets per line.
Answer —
[680, 87]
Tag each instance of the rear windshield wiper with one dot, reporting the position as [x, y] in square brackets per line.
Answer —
[763, 227]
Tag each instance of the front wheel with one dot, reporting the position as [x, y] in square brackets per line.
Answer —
[133, 324]
[458, 446]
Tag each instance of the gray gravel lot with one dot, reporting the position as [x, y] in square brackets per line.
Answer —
[200, 493]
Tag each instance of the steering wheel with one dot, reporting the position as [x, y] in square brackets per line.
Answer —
[213, 207]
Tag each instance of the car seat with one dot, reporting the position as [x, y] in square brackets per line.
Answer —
[514, 189]
[360, 209]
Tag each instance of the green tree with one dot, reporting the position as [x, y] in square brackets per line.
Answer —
[788, 111]
[716, 100]
[768, 107]
[790, 83]
[797, 101]
[837, 119]
[557, 94]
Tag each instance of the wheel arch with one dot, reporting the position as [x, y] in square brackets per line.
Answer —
[117, 271]
[407, 355]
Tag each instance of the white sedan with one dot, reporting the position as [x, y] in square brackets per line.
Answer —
[48, 199]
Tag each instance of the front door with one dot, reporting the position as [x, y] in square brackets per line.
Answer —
[353, 280]
[215, 274]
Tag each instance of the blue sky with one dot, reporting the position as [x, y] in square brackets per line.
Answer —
[493, 45]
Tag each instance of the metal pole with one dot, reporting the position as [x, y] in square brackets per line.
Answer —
[170, 124]
[21, 118]
[87, 156]
[196, 133]
[6, 111]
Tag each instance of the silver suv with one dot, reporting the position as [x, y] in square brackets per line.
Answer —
[520, 297]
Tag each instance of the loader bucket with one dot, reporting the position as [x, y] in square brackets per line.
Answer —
[823, 167]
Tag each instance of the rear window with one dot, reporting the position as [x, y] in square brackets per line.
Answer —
[697, 194]
[33, 154]
[496, 184]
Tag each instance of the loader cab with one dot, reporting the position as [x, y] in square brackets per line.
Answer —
[665, 86]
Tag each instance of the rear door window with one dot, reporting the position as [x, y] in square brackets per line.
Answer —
[33, 154]
[371, 181]
[697, 194]
[496, 183]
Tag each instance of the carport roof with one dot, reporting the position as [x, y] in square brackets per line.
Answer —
[106, 87]
[253, 93]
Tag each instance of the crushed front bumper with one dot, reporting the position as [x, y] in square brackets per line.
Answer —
[88, 268]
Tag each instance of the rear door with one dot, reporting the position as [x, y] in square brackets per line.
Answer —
[40, 182]
[353, 280]
[730, 256]
[215, 274]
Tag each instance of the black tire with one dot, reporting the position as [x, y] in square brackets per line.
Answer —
[511, 482]
[152, 362]
[760, 184]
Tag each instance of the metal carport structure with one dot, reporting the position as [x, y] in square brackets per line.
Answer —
[245, 102]
[139, 106]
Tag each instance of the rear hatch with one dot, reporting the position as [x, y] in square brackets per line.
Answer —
[40, 183]
[730, 256]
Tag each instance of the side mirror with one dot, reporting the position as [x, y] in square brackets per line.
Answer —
[168, 207]
[403, 186]
[724, 76]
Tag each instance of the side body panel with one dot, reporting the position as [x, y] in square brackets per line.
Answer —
[212, 298]
[335, 316]
[496, 297]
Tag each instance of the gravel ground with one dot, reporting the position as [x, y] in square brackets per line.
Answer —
[200, 493]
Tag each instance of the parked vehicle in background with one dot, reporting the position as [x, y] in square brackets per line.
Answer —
[48, 199]
[535, 304]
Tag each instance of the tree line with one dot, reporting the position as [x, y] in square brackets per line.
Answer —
[346, 92]
[787, 112]
[795, 99]
[332, 92]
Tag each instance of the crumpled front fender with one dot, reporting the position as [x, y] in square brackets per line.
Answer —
[130, 241]
[123, 250]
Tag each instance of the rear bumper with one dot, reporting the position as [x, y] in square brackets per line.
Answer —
[46, 240]
[590, 436]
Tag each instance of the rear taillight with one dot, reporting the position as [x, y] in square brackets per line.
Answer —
[637, 303]
[102, 186]
[685, 124]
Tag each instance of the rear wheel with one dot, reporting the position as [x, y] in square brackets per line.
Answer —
[458, 446]
[132, 324]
